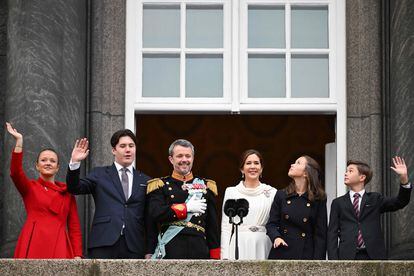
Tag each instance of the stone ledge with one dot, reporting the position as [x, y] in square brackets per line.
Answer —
[202, 267]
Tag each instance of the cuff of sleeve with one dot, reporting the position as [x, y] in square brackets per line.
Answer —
[180, 210]
[215, 253]
[74, 165]
[407, 186]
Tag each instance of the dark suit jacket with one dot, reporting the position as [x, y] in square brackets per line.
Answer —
[112, 210]
[343, 224]
[301, 223]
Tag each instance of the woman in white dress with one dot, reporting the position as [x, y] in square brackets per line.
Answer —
[254, 244]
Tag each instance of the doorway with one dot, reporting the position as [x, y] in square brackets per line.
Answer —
[219, 141]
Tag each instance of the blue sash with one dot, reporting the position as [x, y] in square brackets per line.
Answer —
[172, 231]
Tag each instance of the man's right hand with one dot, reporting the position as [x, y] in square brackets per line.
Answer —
[80, 150]
[195, 205]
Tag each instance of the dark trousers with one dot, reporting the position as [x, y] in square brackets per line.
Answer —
[117, 251]
[362, 254]
[187, 247]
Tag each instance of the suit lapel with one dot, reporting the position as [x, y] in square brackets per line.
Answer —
[364, 201]
[135, 184]
[115, 180]
[348, 205]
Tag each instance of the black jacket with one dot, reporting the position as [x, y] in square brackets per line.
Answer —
[343, 224]
[302, 224]
[170, 192]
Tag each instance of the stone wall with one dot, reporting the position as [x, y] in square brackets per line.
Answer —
[364, 80]
[3, 66]
[400, 120]
[45, 95]
[199, 267]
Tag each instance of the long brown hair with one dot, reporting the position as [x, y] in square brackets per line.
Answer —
[313, 181]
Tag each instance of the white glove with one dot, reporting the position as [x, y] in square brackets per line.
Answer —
[195, 205]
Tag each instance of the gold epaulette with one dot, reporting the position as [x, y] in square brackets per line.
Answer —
[211, 184]
[154, 184]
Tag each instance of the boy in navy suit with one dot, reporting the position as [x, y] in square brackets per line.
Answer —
[355, 216]
[120, 229]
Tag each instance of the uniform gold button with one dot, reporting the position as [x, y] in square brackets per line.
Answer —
[308, 204]
[167, 182]
[169, 188]
[199, 222]
[286, 216]
[288, 202]
[305, 219]
[172, 196]
[303, 235]
[285, 231]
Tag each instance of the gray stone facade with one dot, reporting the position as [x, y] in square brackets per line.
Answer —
[62, 76]
[45, 95]
[203, 267]
[400, 118]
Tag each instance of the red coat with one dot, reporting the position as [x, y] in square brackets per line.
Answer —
[52, 227]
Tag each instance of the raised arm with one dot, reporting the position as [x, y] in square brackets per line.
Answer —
[391, 204]
[80, 150]
[75, 184]
[401, 169]
[18, 136]
[16, 166]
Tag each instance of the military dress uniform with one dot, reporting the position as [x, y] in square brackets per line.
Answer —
[199, 238]
[301, 223]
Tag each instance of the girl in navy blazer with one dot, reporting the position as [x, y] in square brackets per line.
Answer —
[297, 224]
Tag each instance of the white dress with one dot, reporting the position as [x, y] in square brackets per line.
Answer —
[254, 244]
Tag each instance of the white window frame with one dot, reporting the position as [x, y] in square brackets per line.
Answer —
[235, 70]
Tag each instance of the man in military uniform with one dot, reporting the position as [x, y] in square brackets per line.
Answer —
[184, 207]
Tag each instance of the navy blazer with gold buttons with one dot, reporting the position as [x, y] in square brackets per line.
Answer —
[301, 223]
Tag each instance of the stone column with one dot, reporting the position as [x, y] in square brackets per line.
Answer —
[107, 86]
[46, 91]
[400, 123]
[3, 65]
[364, 73]
[107, 112]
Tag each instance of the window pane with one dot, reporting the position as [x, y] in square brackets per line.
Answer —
[266, 76]
[310, 27]
[161, 75]
[310, 76]
[204, 76]
[266, 27]
[204, 27]
[161, 26]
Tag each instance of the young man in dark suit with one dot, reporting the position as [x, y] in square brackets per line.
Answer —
[355, 216]
[119, 227]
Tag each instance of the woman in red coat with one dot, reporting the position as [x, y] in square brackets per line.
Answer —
[52, 227]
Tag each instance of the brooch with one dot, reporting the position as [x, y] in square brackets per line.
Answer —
[267, 193]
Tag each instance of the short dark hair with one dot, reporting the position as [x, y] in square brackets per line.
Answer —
[180, 142]
[363, 168]
[247, 153]
[122, 133]
[47, 149]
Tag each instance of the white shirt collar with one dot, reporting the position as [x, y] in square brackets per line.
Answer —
[119, 167]
[361, 193]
